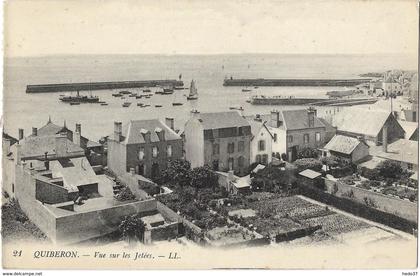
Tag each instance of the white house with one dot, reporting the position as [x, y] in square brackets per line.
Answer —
[261, 142]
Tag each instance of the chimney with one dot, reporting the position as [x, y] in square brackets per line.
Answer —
[170, 123]
[77, 137]
[258, 118]
[160, 133]
[117, 131]
[79, 128]
[146, 135]
[195, 113]
[311, 116]
[275, 119]
[20, 134]
[46, 162]
[61, 145]
[385, 138]
[34, 131]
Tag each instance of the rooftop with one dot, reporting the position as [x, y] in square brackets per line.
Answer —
[218, 120]
[361, 120]
[256, 126]
[310, 174]
[402, 150]
[343, 144]
[409, 128]
[134, 132]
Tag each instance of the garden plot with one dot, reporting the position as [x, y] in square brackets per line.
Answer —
[336, 224]
[221, 236]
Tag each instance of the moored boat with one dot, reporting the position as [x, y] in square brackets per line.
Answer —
[78, 98]
[126, 104]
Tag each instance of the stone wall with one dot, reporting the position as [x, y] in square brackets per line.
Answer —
[165, 232]
[78, 227]
[399, 207]
[50, 193]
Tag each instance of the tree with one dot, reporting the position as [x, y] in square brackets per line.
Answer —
[203, 177]
[308, 163]
[177, 173]
[284, 156]
[329, 162]
[124, 194]
[307, 153]
[132, 227]
[390, 169]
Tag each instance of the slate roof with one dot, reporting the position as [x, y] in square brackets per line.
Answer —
[361, 121]
[50, 129]
[218, 120]
[34, 146]
[298, 119]
[343, 144]
[402, 150]
[132, 131]
[293, 119]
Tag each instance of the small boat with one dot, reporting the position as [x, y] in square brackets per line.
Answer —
[177, 103]
[158, 105]
[147, 97]
[140, 104]
[116, 94]
[126, 104]
[255, 87]
[139, 96]
[178, 87]
[235, 107]
[132, 95]
[104, 103]
[146, 90]
[74, 103]
[124, 92]
[193, 92]
[145, 105]
[248, 101]
[246, 90]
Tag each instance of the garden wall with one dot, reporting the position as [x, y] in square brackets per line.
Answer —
[399, 207]
[50, 193]
[358, 209]
[78, 227]
[165, 232]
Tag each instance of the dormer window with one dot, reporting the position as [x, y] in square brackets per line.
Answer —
[155, 152]
[141, 154]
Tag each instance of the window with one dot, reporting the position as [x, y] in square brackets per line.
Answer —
[141, 154]
[290, 139]
[261, 145]
[241, 146]
[231, 147]
[306, 138]
[241, 161]
[317, 136]
[155, 152]
[169, 150]
[409, 166]
[240, 131]
[230, 164]
[216, 149]
[258, 158]
[275, 137]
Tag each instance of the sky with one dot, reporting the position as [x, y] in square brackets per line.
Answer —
[52, 27]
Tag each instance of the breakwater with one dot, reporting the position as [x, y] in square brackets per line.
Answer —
[311, 101]
[86, 86]
[294, 82]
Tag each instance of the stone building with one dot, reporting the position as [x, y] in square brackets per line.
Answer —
[349, 149]
[294, 130]
[220, 140]
[377, 126]
[144, 145]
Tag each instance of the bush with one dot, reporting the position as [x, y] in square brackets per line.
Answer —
[203, 177]
[334, 189]
[307, 153]
[124, 194]
[132, 227]
[308, 163]
[150, 188]
[390, 169]
[349, 194]
[284, 156]
[177, 173]
[369, 202]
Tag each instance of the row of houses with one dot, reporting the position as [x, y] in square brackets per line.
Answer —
[225, 141]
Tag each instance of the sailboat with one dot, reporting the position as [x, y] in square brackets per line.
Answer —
[193, 92]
